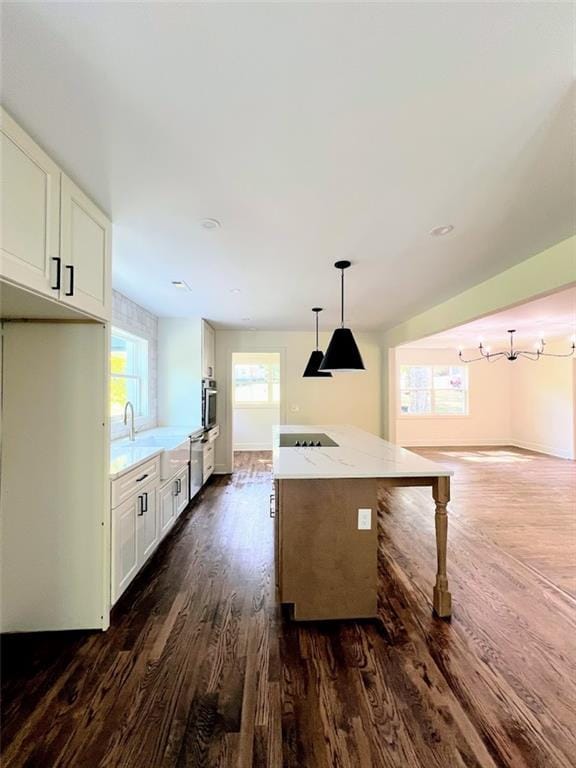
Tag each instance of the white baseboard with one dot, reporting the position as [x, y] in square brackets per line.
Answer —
[539, 448]
[453, 444]
[253, 447]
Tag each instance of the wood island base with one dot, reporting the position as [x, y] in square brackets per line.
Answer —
[325, 566]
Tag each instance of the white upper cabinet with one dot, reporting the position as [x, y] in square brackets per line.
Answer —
[30, 195]
[85, 250]
[208, 351]
[54, 240]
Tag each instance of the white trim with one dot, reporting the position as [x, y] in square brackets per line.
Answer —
[536, 447]
[227, 435]
[253, 447]
[452, 444]
[539, 448]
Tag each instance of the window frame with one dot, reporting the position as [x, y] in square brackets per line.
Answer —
[143, 376]
[432, 390]
[270, 403]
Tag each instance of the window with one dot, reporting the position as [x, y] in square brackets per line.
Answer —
[128, 373]
[434, 390]
[256, 383]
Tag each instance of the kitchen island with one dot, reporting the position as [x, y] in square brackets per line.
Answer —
[326, 481]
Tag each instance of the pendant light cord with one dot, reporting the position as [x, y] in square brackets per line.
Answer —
[342, 303]
[316, 331]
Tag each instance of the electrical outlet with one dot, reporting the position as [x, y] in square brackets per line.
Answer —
[364, 519]
[294, 408]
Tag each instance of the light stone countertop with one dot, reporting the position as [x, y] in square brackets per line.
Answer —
[359, 454]
[126, 454]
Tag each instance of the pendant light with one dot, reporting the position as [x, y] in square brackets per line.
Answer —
[316, 357]
[342, 353]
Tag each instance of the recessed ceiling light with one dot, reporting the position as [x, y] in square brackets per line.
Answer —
[234, 290]
[246, 319]
[445, 229]
[181, 284]
[210, 223]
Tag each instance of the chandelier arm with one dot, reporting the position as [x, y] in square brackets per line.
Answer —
[534, 356]
[557, 354]
[488, 356]
[472, 359]
[491, 356]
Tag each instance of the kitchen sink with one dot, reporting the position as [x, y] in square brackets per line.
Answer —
[175, 451]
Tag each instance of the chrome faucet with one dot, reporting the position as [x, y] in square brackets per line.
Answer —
[128, 403]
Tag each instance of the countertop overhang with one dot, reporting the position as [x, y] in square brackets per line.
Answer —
[359, 454]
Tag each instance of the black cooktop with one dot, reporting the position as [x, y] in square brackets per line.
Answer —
[306, 440]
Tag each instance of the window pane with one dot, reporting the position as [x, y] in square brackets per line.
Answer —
[121, 390]
[129, 359]
[252, 392]
[449, 377]
[256, 383]
[416, 401]
[449, 401]
[415, 377]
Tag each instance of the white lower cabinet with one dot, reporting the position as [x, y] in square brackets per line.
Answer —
[208, 466]
[148, 533]
[183, 495]
[135, 534]
[174, 497]
[167, 507]
[140, 522]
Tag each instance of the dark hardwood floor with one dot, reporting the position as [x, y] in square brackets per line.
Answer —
[200, 668]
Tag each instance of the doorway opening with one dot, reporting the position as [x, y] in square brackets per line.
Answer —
[256, 398]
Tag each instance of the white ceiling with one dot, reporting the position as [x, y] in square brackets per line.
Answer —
[314, 132]
[551, 317]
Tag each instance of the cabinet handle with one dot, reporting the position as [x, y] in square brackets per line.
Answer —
[70, 268]
[179, 486]
[141, 505]
[58, 261]
[139, 479]
[176, 488]
[272, 505]
[145, 495]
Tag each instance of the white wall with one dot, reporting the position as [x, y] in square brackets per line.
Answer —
[180, 372]
[543, 404]
[346, 398]
[134, 319]
[489, 404]
[253, 423]
[524, 403]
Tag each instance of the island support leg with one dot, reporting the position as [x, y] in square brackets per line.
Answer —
[442, 599]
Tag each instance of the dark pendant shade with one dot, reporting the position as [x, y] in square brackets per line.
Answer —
[342, 353]
[311, 369]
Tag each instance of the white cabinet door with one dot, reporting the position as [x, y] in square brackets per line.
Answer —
[208, 350]
[167, 507]
[30, 221]
[85, 250]
[208, 467]
[182, 496]
[148, 534]
[124, 545]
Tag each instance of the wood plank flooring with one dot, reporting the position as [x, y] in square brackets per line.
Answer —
[200, 668]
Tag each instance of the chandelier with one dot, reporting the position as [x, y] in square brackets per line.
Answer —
[514, 354]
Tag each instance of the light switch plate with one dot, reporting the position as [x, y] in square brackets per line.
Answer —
[364, 519]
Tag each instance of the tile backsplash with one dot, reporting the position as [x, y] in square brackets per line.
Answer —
[133, 318]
